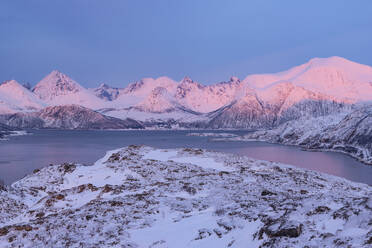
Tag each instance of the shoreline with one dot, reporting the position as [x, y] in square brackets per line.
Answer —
[299, 146]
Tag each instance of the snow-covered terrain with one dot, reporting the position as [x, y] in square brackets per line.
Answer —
[334, 76]
[349, 132]
[319, 87]
[16, 98]
[146, 197]
[106, 92]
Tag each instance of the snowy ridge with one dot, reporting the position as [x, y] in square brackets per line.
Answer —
[319, 87]
[146, 197]
[334, 76]
[16, 98]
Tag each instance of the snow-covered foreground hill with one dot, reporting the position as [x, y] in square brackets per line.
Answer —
[349, 132]
[146, 197]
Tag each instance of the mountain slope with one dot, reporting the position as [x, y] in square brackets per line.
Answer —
[105, 92]
[68, 117]
[273, 105]
[158, 101]
[349, 132]
[136, 92]
[333, 76]
[58, 89]
[206, 99]
[15, 98]
[247, 112]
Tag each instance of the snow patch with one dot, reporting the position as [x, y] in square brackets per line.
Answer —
[173, 155]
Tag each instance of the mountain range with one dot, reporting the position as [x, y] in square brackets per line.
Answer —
[318, 87]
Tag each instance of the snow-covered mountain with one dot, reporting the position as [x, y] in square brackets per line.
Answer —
[137, 92]
[16, 98]
[106, 92]
[58, 89]
[145, 197]
[205, 99]
[318, 87]
[335, 76]
[158, 101]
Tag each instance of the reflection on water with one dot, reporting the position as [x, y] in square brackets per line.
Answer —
[21, 155]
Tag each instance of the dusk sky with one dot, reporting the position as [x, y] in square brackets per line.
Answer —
[123, 41]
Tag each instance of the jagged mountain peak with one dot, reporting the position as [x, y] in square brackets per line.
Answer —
[144, 87]
[234, 79]
[56, 84]
[106, 92]
[59, 89]
[186, 79]
[56, 73]
[187, 85]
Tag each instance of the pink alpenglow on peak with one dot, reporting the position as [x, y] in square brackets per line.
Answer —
[334, 76]
[333, 80]
[16, 98]
[58, 89]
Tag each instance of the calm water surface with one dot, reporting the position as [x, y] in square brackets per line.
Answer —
[21, 155]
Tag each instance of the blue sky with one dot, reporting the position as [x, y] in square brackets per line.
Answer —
[122, 41]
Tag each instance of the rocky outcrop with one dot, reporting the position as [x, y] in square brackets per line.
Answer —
[106, 92]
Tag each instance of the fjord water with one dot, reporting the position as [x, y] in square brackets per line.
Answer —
[22, 154]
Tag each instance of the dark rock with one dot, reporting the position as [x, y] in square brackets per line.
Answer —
[4, 231]
[266, 192]
[283, 229]
[68, 168]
